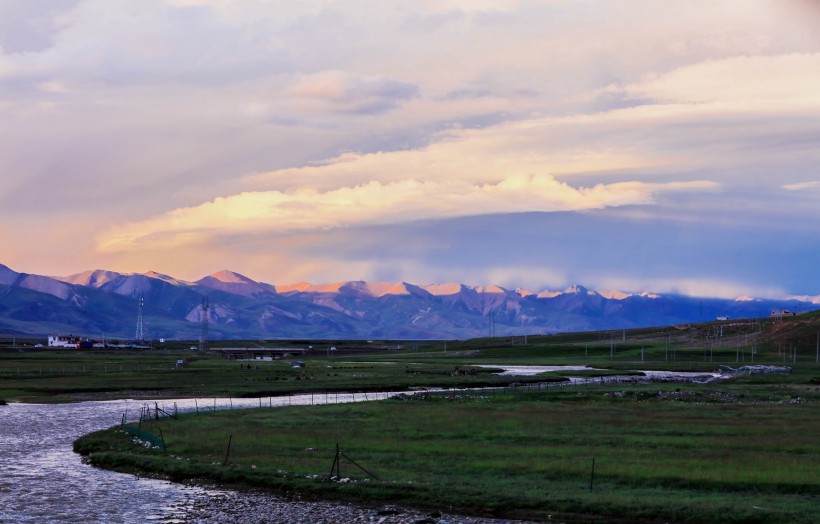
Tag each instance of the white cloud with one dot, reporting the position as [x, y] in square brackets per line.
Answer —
[800, 186]
[377, 203]
[735, 80]
[805, 298]
[348, 93]
[707, 287]
[52, 86]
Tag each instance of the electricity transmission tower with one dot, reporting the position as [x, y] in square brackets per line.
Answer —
[203, 338]
[140, 335]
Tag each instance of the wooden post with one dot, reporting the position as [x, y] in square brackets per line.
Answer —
[228, 452]
[335, 465]
[592, 474]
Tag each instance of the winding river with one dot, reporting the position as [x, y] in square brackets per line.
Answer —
[42, 480]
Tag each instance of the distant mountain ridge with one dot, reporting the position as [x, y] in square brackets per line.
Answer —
[97, 302]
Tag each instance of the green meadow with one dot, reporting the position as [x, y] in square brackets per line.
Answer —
[66, 376]
[742, 449]
[666, 452]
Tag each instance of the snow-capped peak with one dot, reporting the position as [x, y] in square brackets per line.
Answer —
[490, 289]
[231, 277]
[745, 298]
[92, 278]
[614, 295]
[166, 278]
[577, 289]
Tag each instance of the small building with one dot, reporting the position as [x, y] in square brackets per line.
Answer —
[257, 353]
[73, 342]
[64, 341]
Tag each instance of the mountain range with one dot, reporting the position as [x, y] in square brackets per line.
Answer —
[96, 303]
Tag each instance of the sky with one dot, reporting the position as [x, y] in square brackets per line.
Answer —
[619, 144]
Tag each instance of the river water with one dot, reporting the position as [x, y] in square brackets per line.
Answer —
[42, 480]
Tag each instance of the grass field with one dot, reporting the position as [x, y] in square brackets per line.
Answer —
[689, 454]
[738, 450]
[59, 376]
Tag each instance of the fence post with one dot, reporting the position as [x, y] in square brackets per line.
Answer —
[228, 452]
[592, 474]
[335, 465]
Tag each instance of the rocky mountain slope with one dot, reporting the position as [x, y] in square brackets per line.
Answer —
[97, 303]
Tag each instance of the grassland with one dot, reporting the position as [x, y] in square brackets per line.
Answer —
[694, 453]
[64, 376]
[738, 450]
[58, 376]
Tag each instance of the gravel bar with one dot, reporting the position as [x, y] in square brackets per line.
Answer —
[212, 506]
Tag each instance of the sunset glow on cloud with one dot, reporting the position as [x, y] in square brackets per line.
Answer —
[376, 203]
[649, 145]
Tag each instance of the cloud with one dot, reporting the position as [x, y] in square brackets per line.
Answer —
[800, 186]
[378, 203]
[736, 80]
[27, 27]
[347, 93]
[197, 124]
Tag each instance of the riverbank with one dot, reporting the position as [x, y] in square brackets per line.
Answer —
[218, 506]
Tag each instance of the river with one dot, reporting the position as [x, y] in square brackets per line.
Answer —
[42, 480]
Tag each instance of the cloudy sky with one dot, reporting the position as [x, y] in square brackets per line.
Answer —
[620, 144]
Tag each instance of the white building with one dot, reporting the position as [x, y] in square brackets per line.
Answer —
[63, 341]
